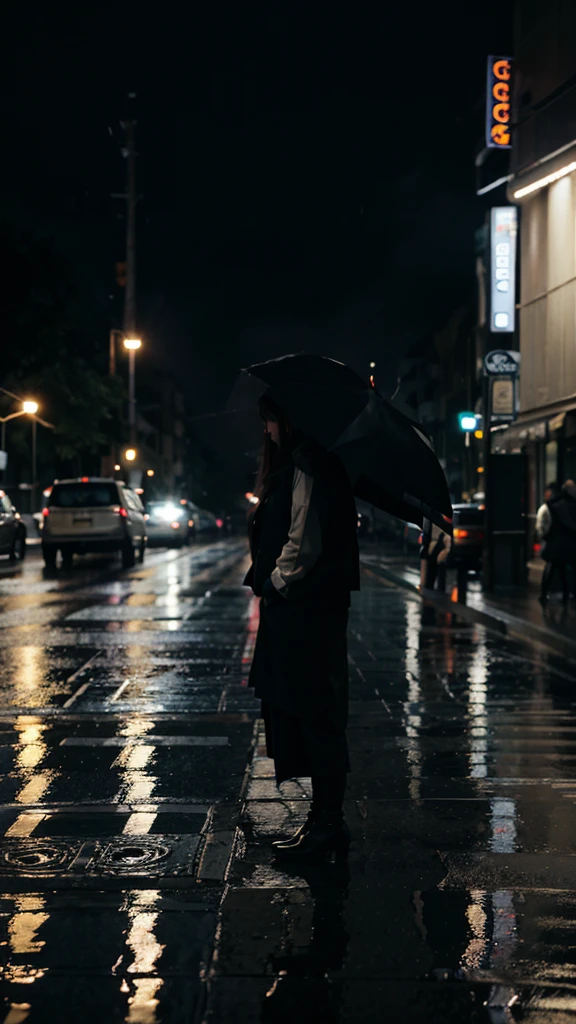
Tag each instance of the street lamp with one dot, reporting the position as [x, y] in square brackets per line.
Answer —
[132, 345]
[130, 454]
[149, 472]
[29, 408]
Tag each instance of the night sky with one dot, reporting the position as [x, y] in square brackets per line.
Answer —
[307, 171]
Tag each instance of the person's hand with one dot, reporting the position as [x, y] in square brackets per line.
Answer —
[269, 593]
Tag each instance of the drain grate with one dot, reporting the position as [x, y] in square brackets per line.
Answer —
[128, 855]
[149, 861]
[28, 855]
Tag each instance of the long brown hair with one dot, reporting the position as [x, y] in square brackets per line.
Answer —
[273, 456]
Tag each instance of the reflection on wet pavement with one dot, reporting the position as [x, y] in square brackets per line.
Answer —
[460, 804]
[136, 879]
[124, 736]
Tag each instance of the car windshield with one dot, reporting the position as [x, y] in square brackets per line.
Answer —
[90, 495]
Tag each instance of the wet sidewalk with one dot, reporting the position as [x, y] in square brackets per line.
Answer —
[137, 808]
[513, 610]
[459, 900]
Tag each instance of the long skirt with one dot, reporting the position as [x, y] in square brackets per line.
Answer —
[301, 749]
[300, 673]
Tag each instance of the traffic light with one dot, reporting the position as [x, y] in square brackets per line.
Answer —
[467, 421]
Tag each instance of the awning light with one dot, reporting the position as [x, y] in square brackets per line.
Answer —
[548, 180]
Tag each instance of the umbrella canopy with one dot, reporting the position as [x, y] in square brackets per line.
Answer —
[389, 459]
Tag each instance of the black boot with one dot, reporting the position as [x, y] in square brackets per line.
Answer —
[322, 834]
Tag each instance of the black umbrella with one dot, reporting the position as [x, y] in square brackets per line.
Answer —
[389, 459]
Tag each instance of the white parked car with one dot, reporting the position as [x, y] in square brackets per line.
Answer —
[93, 514]
[167, 524]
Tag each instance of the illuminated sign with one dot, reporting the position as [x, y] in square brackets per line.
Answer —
[503, 232]
[502, 363]
[498, 102]
[503, 399]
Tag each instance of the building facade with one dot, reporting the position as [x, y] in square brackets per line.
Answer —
[542, 184]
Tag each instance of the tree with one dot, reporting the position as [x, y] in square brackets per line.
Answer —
[55, 351]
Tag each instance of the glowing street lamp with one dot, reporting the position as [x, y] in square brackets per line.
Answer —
[132, 344]
[29, 408]
[149, 472]
[130, 454]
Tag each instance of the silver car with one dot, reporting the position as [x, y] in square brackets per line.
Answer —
[93, 514]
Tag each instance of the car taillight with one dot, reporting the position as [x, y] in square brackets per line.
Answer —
[121, 511]
[45, 512]
[219, 523]
[460, 534]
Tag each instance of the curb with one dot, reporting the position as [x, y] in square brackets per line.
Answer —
[500, 621]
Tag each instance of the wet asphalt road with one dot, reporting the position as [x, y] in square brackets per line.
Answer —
[136, 813]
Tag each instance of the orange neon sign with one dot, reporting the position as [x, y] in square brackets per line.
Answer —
[498, 103]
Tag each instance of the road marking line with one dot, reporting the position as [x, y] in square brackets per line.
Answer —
[144, 741]
[139, 823]
[80, 671]
[25, 824]
[120, 689]
[81, 689]
[83, 668]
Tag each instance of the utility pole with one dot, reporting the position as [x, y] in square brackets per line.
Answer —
[131, 200]
[129, 151]
[34, 466]
[114, 337]
[128, 271]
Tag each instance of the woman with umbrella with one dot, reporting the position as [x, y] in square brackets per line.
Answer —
[305, 564]
[328, 436]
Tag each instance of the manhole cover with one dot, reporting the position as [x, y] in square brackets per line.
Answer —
[35, 856]
[121, 855]
[26, 864]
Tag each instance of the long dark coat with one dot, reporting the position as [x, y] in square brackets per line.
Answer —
[560, 544]
[300, 661]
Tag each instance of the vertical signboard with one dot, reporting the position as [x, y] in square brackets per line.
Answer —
[498, 102]
[503, 233]
[502, 367]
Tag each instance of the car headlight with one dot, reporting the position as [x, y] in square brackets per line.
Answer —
[170, 513]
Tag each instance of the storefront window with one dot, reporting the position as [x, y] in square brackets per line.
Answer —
[551, 462]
